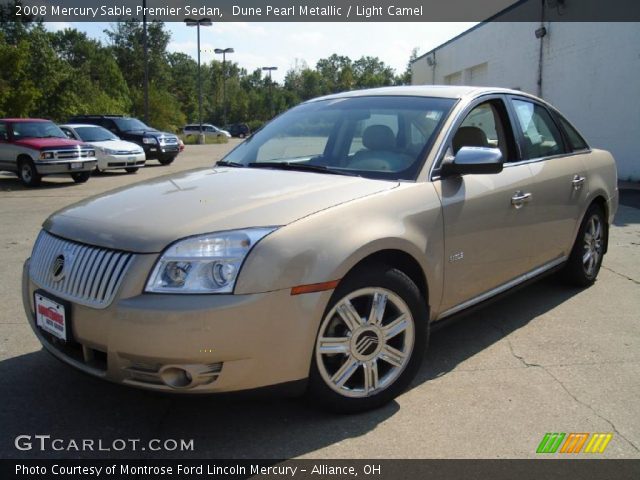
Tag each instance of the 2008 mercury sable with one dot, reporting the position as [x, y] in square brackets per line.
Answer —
[319, 251]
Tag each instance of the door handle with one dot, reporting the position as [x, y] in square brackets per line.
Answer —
[519, 199]
[577, 182]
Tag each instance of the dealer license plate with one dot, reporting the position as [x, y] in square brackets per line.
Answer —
[75, 165]
[51, 316]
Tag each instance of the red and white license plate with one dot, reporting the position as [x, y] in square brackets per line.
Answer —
[51, 316]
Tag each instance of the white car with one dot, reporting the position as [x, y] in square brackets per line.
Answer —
[111, 152]
[207, 129]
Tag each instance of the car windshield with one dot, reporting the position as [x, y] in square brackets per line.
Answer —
[95, 134]
[129, 124]
[383, 137]
[37, 130]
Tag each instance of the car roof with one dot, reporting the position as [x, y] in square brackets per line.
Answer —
[22, 120]
[81, 125]
[437, 91]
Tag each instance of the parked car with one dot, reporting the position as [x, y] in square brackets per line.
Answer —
[319, 253]
[240, 130]
[112, 153]
[207, 129]
[33, 147]
[158, 145]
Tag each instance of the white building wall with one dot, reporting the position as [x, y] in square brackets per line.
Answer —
[590, 72]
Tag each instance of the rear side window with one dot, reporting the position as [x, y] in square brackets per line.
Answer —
[576, 142]
[4, 134]
[542, 138]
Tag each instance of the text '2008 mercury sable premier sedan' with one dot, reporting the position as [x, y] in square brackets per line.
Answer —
[318, 252]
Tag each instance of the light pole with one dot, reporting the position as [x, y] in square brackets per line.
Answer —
[224, 52]
[205, 22]
[270, 69]
[145, 48]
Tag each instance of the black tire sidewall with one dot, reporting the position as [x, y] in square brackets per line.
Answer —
[399, 283]
[166, 160]
[574, 270]
[35, 176]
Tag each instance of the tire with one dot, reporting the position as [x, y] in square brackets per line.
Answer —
[587, 253]
[97, 171]
[27, 173]
[363, 370]
[132, 169]
[166, 160]
[80, 177]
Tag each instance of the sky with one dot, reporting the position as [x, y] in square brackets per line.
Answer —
[286, 44]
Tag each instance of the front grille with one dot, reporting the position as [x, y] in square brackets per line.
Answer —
[169, 140]
[72, 154]
[127, 152]
[89, 275]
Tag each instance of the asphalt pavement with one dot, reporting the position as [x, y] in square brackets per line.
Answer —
[546, 359]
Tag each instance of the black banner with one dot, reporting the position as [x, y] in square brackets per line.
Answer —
[322, 469]
[325, 10]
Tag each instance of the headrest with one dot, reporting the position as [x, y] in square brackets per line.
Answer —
[379, 137]
[469, 137]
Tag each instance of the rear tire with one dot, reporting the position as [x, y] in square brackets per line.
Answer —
[364, 360]
[28, 174]
[132, 169]
[80, 177]
[586, 256]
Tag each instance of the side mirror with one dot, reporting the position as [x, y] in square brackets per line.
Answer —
[478, 160]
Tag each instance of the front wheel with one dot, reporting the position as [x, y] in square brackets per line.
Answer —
[80, 177]
[371, 341]
[166, 160]
[588, 251]
[28, 174]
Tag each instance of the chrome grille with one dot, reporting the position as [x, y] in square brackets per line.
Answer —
[72, 154]
[169, 140]
[91, 276]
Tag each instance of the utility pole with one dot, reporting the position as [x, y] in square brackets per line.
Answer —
[145, 47]
[270, 69]
[224, 52]
[206, 22]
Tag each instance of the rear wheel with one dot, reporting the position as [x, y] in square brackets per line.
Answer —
[132, 169]
[80, 177]
[588, 251]
[371, 341]
[28, 173]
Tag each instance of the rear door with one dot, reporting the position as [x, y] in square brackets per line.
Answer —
[487, 218]
[559, 186]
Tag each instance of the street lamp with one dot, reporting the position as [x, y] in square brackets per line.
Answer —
[270, 69]
[224, 52]
[205, 22]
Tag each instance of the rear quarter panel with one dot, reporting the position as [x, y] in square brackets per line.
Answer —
[602, 179]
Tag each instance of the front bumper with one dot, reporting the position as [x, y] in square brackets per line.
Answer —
[156, 151]
[58, 166]
[112, 162]
[225, 342]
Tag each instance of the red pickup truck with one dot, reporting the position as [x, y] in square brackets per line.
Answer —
[32, 147]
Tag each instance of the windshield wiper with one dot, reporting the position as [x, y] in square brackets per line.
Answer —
[225, 163]
[305, 167]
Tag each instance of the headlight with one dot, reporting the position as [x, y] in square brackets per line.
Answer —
[204, 264]
[91, 153]
[149, 140]
[46, 155]
[107, 151]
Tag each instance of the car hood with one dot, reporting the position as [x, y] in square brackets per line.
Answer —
[148, 216]
[117, 145]
[39, 143]
[152, 133]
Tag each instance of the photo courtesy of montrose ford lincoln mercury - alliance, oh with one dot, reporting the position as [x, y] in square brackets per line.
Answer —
[319, 252]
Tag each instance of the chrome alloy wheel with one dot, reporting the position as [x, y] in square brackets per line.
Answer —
[592, 245]
[365, 342]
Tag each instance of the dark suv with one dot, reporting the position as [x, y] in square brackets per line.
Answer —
[238, 130]
[156, 144]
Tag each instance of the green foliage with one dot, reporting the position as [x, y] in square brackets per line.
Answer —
[60, 74]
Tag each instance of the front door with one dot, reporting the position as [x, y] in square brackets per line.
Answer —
[487, 218]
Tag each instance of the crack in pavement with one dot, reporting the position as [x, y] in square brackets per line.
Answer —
[621, 275]
[559, 382]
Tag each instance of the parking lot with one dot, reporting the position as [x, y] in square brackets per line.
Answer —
[545, 359]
